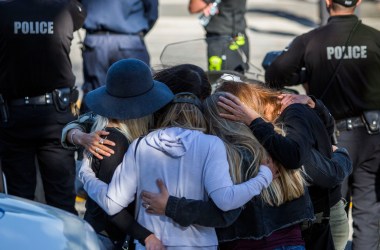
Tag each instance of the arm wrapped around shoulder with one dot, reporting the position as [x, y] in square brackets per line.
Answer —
[325, 172]
[235, 196]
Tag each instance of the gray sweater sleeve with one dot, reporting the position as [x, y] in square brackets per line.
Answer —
[84, 123]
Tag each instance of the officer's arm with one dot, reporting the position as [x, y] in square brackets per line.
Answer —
[284, 70]
[78, 13]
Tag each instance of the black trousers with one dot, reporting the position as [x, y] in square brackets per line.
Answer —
[32, 136]
[363, 185]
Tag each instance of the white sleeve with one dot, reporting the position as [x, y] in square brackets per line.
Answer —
[219, 185]
[97, 189]
[114, 197]
[235, 196]
[123, 186]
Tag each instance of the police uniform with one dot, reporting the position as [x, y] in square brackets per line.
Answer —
[115, 30]
[36, 86]
[354, 90]
[225, 53]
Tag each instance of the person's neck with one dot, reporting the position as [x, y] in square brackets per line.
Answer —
[341, 13]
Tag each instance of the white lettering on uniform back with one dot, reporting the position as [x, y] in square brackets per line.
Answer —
[338, 52]
[43, 28]
[351, 52]
[17, 26]
[50, 28]
[25, 27]
[330, 52]
[363, 50]
[37, 27]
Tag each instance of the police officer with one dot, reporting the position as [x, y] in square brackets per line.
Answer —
[114, 30]
[225, 25]
[36, 86]
[342, 61]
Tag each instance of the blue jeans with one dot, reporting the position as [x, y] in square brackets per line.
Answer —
[300, 247]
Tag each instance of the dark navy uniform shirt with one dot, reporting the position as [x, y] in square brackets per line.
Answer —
[35, 40]
[120, 16]
[357, 85]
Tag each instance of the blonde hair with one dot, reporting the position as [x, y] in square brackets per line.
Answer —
[256, 96]
[290, 184]
[130, 128]
[238, 140]
[184, 115]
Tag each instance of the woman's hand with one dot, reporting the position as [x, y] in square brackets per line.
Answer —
[288, 99]
[153, 243]
[237, 111]
[95, 143]
[155, 203]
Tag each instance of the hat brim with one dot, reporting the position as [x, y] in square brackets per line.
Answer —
[101, 103]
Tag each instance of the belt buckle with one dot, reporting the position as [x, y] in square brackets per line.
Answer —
[48, 98]
[36, 100]
[350, 126]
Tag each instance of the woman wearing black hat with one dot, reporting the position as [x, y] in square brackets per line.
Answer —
[117, 105]
[179, 78]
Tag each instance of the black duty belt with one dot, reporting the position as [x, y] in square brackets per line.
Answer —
[350, 123]
[45, 99]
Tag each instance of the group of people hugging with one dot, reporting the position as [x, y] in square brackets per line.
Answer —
[175, 165]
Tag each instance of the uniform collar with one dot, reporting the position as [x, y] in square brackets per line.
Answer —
[343, 18]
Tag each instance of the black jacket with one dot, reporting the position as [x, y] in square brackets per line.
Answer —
[357, 85]
[35, 40]
[306, 142]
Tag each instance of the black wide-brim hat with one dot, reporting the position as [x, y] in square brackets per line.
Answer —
[130, 92]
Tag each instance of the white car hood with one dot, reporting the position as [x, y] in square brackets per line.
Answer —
[26, 224]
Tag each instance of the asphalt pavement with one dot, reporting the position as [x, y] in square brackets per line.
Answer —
[272, 24]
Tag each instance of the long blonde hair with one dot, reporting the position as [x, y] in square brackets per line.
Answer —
[238, 140]
[131, 128]
[290, 184]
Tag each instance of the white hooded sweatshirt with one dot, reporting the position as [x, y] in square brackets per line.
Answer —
[191, 164]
